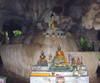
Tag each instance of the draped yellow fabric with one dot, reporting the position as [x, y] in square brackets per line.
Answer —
[65, 61]
[44, 59]
[60, 55]
[54, 24]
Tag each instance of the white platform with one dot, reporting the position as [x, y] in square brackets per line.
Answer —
[63, 73]
[69, 79]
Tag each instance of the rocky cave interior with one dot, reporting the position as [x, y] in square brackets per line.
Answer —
[79, 17]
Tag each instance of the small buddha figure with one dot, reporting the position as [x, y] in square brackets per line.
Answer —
[50, 58]
[43, 61]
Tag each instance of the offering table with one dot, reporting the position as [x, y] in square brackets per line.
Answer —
[47, 77]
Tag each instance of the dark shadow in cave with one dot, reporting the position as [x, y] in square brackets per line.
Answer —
[98, 35]
[1, 63]
[11, 25]
[98, 70]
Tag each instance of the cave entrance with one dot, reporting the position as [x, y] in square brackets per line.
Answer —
[1, 63]
[12, 25]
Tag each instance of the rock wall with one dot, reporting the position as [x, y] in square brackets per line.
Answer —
[70, 43]
[92, 17]
[20, 58]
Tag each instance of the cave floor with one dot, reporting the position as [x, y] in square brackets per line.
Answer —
[13, 78]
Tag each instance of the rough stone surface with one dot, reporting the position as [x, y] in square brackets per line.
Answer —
[70, 43]
[91, 19]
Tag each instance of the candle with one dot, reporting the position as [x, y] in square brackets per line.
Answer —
[78, 61]
[69, 57]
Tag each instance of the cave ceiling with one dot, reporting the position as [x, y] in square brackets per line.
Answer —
[80, 17]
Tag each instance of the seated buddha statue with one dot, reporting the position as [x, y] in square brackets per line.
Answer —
[60, 59]
[42, 61]
[59, 62]
[52, 22]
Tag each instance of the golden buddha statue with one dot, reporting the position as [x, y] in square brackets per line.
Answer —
[60, 59]
[59, 62]
[52, 22]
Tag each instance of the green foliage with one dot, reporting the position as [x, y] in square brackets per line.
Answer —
[74, 67]
[99, 46]
[17, 32]
[84, 45]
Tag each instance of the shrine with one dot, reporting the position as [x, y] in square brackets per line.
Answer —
[58, 70]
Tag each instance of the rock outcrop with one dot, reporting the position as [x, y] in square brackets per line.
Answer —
[70, 43]
[92, 17]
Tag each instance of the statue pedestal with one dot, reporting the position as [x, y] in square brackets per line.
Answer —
[42, 68]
